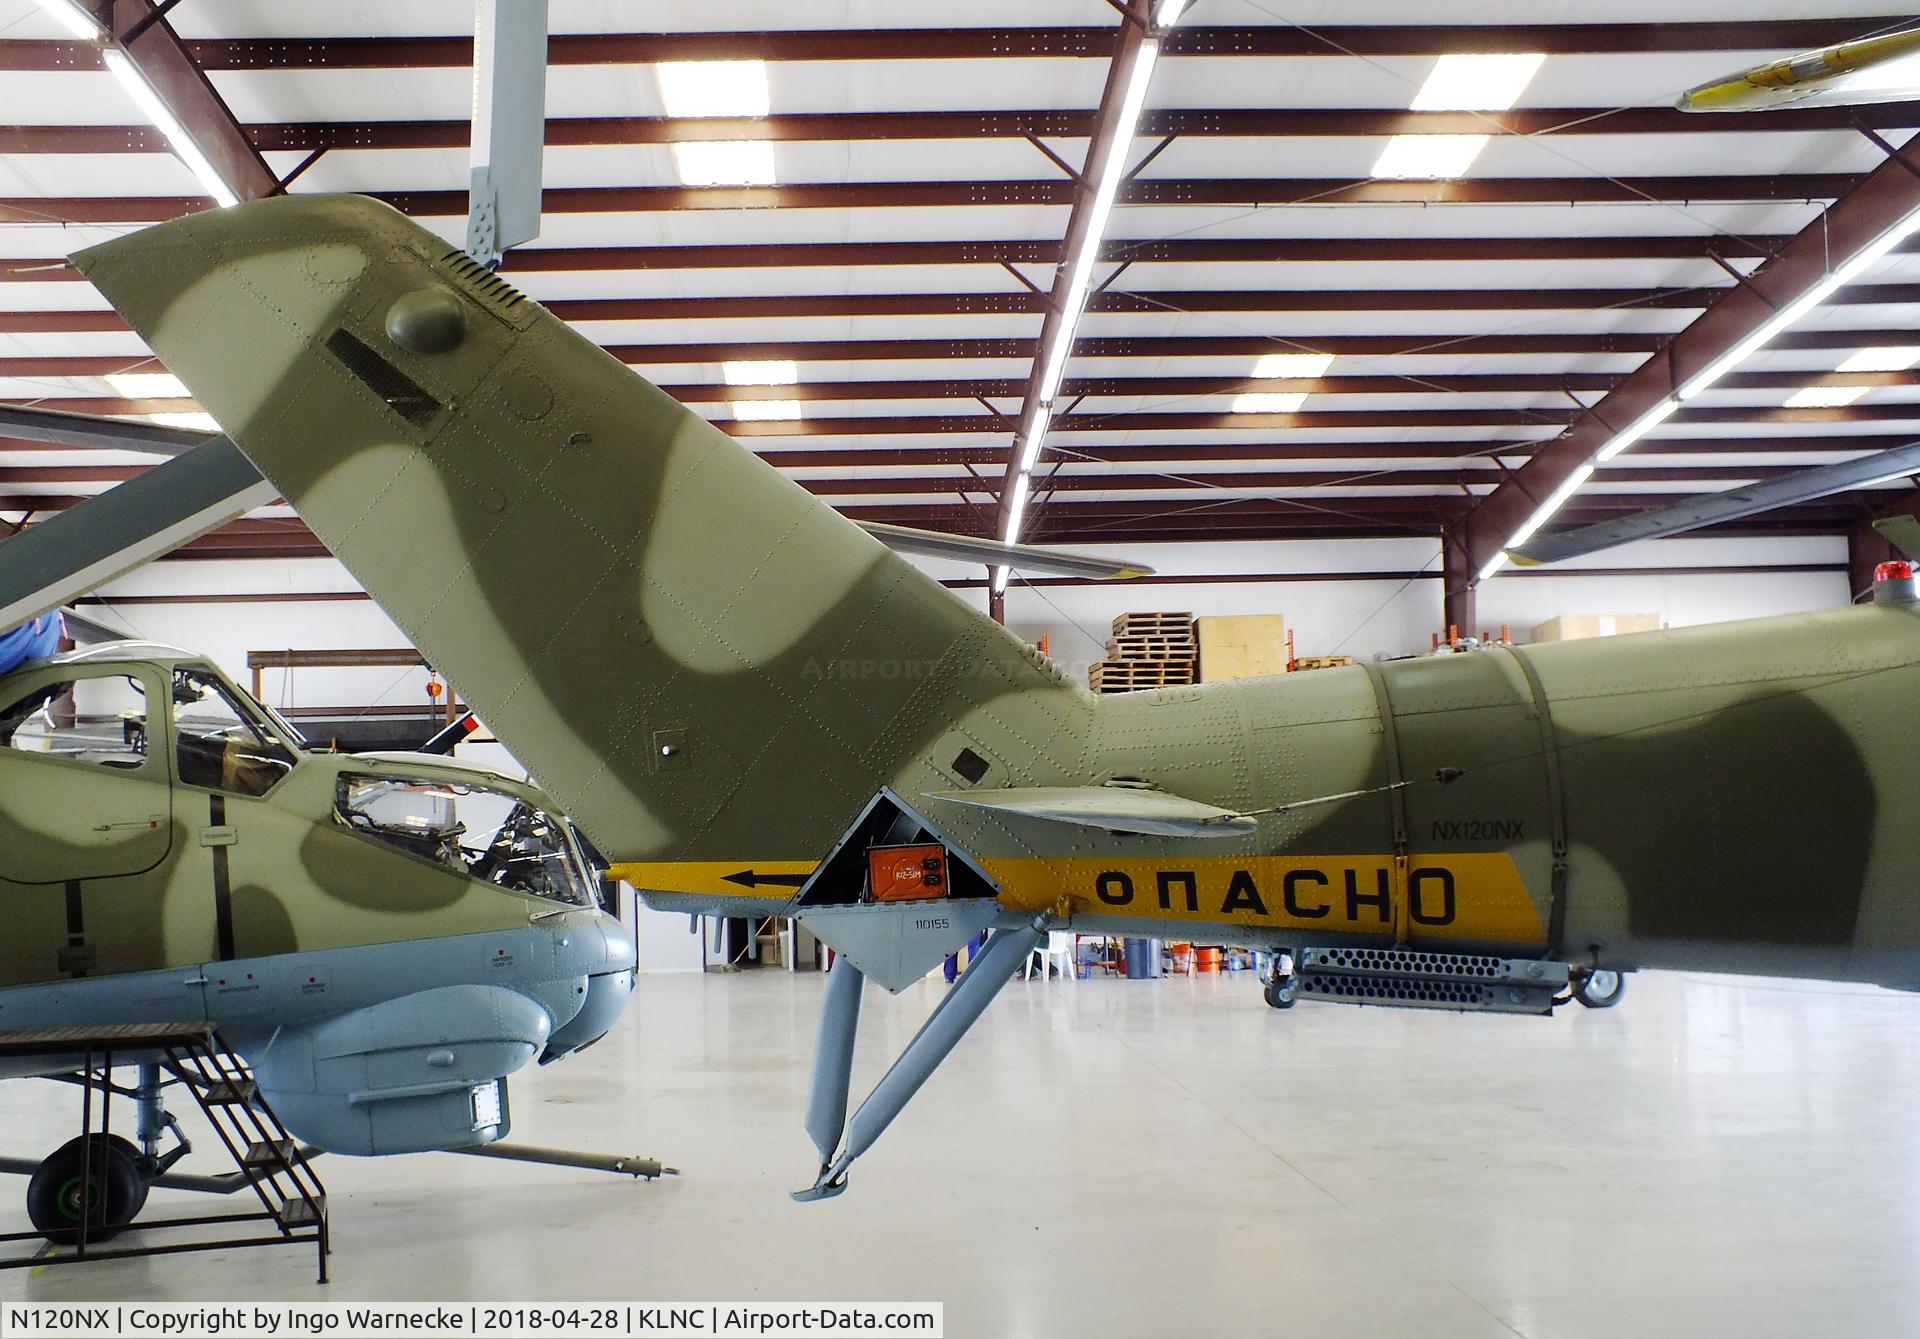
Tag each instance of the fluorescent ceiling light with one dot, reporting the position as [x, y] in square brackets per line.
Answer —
[1292, 365]
[1823, 288]
[760, 372]
[1269, 402]
[1036, 437]
[1017, 507]
[204, 422]
[713, 87]
[1000, 578]
[1106, 188]
[765, 411]
[1541, 515]
[1825, 397]
[1428, 157]
[1639, 428]
[725, 163]
[163, 120]
[147, 385]
[1470, 83]
[1887, 358]
[73, 18]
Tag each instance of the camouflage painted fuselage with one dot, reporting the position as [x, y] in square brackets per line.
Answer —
[713, 672]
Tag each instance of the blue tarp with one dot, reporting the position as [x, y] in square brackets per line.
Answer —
[30, 641]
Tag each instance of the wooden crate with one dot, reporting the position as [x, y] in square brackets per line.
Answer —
[1126, 676]
[1573, 627]
[1241, 646]
[1321, 662]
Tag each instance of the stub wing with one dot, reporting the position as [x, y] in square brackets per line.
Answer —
[1107, 808]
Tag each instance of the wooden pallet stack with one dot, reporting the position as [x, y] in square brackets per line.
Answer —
[1155, 650]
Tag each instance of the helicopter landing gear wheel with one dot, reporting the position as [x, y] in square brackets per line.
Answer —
[103, 1173]
[1598, 988]
[1283, 987]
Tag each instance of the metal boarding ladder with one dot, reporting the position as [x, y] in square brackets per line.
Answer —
[270, 1164]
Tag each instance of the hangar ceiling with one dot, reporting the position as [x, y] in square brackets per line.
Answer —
[840, 245]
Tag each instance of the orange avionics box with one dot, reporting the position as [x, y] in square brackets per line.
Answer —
[907, 873]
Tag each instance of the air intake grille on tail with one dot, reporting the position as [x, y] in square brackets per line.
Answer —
[483, 282]
[401, 393]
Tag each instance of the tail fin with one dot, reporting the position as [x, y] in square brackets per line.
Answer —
[699, 659]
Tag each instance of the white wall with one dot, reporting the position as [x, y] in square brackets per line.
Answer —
[1389, 615]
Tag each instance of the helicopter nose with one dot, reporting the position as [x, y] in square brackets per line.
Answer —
[622, 952]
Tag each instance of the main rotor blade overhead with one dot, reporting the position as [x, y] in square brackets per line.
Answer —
[80, 549]
[994, 553]
[93, 431]
[1712, 508]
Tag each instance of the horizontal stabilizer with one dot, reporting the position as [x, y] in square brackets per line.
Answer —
[1025, 557]
[1108, 808]
[1903, 532]
[1714, 508]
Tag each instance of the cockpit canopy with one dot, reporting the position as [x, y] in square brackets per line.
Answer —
[487, 834]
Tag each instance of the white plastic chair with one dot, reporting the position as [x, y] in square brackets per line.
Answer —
[1057, 951]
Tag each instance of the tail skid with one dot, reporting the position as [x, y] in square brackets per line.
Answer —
[945, 1026]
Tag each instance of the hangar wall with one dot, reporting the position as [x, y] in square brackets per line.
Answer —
[193, 603]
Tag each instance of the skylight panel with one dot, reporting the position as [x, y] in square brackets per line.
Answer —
[1476, 83]
[1269, 402]
[713, 87]
[1885, 358]
[728, 163]
[1457, 83]
[1428, 157]
[762, 372]
[1826, 397]
[1292, 365]
[147, 386]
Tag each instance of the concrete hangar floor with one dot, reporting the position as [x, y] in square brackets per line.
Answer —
[1717, 1156]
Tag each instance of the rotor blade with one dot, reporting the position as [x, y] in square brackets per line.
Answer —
[155, 512]
[1713, 508]
[95, 432]
[1024, 557]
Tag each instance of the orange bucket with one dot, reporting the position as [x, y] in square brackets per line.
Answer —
[1206, 959]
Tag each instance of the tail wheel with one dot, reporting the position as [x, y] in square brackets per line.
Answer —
[1600, 989]
[101, 1173]
[1282, 991]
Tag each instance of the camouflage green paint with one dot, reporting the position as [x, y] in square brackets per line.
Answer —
[705, 664]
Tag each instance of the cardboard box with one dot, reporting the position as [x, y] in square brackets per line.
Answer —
[1573, 627]
[1241, 646]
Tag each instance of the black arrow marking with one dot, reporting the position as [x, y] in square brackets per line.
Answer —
[746, 878]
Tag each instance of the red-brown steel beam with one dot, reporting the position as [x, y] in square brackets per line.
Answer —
[137, 29]
[919, 44]
[1156, 388]
[1160, 346]
[1177, 455]
[1478, 474]
[1885, 197]
[1546, 418]
[1025, 303]
[1177, 251]
[1212, 191]
[853, 127]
